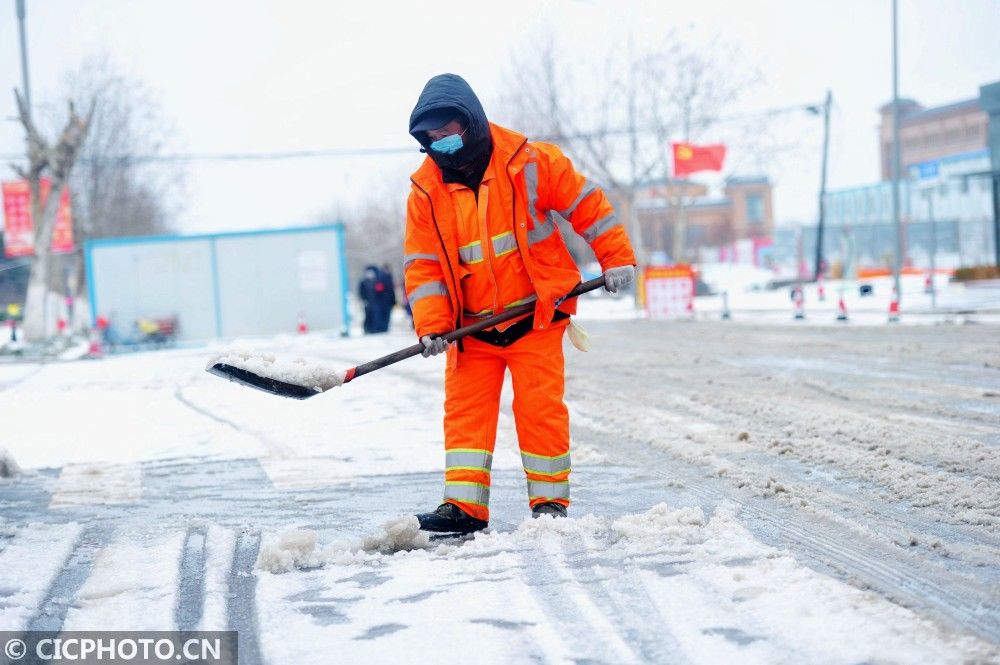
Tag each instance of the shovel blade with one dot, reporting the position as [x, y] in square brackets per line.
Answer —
[264, 383]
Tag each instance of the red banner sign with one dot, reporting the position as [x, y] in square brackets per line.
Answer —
[18, 236]
[668, 291]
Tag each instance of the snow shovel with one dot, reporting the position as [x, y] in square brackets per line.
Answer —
[259, 379]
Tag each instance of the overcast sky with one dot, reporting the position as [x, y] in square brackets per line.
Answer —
[256, 76]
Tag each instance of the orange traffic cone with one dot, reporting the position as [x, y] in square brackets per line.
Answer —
[894, 307]
[841, 309]
[302, 326]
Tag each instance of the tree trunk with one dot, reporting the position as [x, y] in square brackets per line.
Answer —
[58, 162]
[40, 282]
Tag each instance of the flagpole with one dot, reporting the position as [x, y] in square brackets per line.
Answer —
[822, 187]
[25, 81]
[680, 229]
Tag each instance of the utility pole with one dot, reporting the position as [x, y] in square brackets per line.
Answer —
[929, 193]
[679, 248]
[895, 155]
[822, 184]
[24, 54]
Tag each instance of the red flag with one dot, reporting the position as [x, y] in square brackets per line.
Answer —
[689, 158]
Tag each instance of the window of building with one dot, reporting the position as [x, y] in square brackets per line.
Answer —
[755, 208]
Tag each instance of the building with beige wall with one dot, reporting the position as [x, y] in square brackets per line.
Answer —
[744, 211]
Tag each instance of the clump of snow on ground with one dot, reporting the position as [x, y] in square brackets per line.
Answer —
[8, 465]
[299, 548]
[532, 529]
[662, 522]
[584, 454]
[398, 535]
[299, 371]
[293, 548]
[707, 583]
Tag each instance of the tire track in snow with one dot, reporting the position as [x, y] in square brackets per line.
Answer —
[833, 549]
[571, 611]
[626, 603]
[179, 395]
[191, 581]
[241, 605]
[274, 448]
[799, 466]
[52, 610]
[851, 489]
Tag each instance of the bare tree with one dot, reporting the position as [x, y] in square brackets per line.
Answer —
[616, 112]
[118, 189]
[57, 163]
[374, 231]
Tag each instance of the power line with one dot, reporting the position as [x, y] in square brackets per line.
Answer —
[131, 160]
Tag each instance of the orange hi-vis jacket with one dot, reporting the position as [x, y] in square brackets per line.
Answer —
[466, 256]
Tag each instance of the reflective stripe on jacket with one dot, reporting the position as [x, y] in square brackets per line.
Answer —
[533, 182]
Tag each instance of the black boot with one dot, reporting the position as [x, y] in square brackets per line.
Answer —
[550, 508]
[449, 518]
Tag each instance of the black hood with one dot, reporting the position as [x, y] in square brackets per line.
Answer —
[450, 91]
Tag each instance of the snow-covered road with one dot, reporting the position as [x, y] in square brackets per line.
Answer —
[742, 493]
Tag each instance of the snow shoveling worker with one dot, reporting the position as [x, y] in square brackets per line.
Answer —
[481, 237]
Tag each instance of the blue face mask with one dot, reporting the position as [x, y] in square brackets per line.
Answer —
[449, 145]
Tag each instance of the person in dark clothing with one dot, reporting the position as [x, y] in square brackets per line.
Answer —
[385, 293]
[368, 291]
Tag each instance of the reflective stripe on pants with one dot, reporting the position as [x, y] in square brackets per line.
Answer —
[468, 459]
[467, 493]
[543, 465]
[547, 491]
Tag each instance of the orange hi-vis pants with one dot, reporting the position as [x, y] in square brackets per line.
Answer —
[471, 408]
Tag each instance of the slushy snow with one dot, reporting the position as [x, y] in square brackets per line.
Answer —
[299, 548]
[873, 462]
